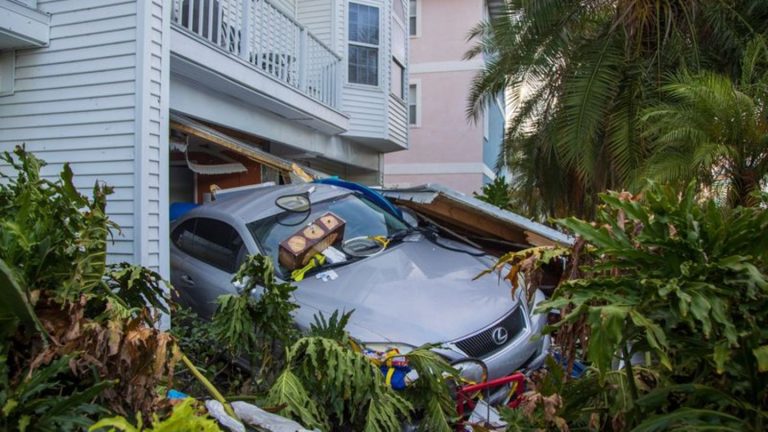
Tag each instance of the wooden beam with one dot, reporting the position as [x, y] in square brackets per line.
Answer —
[191, 127]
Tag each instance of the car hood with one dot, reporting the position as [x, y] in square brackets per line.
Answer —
[414, 292]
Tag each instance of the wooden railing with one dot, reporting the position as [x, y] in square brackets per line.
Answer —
[269, 39]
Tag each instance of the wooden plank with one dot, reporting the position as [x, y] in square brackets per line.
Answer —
[194, 128]
[468, 219]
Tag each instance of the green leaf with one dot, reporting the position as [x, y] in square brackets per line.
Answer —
[761, 354]
[607, 325]
[655, 336]
[15, 304]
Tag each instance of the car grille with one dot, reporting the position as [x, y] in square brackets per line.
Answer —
[483, 344]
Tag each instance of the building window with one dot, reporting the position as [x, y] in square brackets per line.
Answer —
[398, 79]
[412, 18]
[413, 108]
[363, 44]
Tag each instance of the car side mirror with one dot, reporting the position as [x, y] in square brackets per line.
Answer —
[296, 203]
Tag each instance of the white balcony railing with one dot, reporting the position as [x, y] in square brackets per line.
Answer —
[269, 39]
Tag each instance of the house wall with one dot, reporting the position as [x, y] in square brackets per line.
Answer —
[88, 98]
[376, 119]
[288, 6]
[366, 105]
[397, 107]
[444, 146]
[317, 16]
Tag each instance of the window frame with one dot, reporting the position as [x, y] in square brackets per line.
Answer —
[403, 80]
[377, 47]
[417, 20]
[416, 83]
[7, 72]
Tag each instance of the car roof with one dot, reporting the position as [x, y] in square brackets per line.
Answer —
[260, 203]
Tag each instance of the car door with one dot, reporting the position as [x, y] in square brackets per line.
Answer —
[214, 253]
[181, 248]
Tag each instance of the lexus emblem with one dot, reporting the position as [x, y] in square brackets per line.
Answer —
[499, 335]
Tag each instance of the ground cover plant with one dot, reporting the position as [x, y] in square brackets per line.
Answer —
[665, 298]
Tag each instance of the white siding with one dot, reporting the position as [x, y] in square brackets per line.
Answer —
[152, 134]
[288, 6]
[398, 121]
[398, 109]
[317, 16]
[367, 105]
[76, 101]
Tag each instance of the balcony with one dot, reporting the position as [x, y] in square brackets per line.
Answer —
[270, 41]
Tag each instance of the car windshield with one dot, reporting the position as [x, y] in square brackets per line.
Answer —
[363, 219]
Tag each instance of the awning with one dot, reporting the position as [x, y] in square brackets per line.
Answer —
[194, 128]
[477, 219]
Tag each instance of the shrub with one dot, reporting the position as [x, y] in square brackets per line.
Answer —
[667, 298]
[75, 332]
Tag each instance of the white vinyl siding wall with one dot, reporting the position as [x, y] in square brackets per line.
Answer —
[367, 105]
[317, 16]
[398, 108]
[76, 101]
[288, 6]
[151, 243]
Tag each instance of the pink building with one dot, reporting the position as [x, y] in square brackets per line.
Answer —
[444, 146]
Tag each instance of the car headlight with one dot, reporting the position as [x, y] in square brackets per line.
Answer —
[387, 346]
[471, 370]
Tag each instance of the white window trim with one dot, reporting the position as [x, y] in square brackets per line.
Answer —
[418, 19]
[378, 47]
[487, 120]
[403, 81]
[7, 72]
[417, 83]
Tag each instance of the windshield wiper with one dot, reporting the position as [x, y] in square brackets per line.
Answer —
[400, 235]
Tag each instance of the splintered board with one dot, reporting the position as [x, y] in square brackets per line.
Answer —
[301, 246]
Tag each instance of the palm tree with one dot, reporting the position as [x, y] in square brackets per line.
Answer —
[588, 68]
[713, 130]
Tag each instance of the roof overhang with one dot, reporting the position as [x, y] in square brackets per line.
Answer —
[22, 26]
[478, 218]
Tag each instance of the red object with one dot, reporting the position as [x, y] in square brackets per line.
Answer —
[465, 395]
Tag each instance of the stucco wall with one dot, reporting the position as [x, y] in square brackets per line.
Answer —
[445, 146]
[444, 28]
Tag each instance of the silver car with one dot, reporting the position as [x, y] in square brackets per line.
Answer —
[417, 289]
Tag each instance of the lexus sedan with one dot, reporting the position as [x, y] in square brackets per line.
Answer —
[408, 283]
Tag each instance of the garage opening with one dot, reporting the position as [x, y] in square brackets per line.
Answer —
[205, 159]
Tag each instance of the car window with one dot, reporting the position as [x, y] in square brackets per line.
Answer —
[363, 219]
[183, 234]
[212, 241]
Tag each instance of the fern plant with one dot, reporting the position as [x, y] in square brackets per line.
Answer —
[328, 385]
[332, 328]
